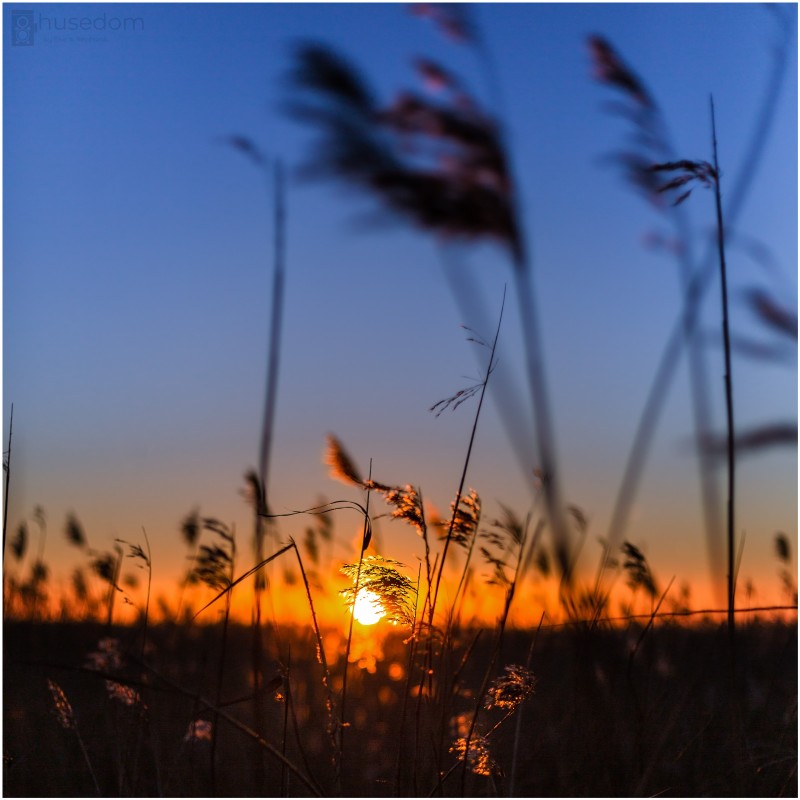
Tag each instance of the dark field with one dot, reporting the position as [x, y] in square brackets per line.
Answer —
[665, 720]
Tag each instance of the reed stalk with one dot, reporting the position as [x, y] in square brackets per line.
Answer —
[7, 477]
[726, 339]
[367, 534]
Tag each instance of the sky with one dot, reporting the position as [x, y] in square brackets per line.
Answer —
[137, 274]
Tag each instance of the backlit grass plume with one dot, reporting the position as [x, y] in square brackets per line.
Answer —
[62, 709]
[64, 714]
[475, 752]
[341, 465]
[393, 590]
[638, 570]
[466, 519]
[439, 161]
[214, 563]
[510, 689]
[506, 540]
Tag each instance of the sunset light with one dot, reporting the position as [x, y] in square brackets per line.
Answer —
[368, 609]
[400, 399]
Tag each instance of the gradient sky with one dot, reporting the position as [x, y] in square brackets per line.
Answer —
[137, 273]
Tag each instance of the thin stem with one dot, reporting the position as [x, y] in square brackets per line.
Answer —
[498, 642]
[261, 523]
[726, 338]
[320, 649]
[518, 727]
[287, 698]
[350, 639]
[687, 318]
[542, 416]
[88, 763]
[7, 467]
[409, 669]
[149, 584]
[460, 491]
[221, 669]
[240, 726]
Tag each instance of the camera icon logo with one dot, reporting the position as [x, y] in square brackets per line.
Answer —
[22, 28]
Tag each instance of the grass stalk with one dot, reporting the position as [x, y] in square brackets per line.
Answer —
[287, 699]
[221, 666]
[498, 643]
[409, 670]
[462, 481]
[342, 724]
[7, 477]
[688, 315]
[518, 727]
[220, 713]
[147, 600]
[726, 339]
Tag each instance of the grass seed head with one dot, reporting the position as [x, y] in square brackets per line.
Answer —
[61, 706]
[479, 759]
[510, 689]
[380, 576]
[126, 695]
[341, 465]
[19, 544]
[74, 531]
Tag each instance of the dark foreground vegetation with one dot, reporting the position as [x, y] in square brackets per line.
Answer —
[613, 713]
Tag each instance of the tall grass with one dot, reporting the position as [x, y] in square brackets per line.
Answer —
[614, 705]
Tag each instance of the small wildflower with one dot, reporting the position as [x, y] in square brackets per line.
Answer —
[61, 706]
[510, 689]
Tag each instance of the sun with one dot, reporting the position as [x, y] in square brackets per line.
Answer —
[368, 608]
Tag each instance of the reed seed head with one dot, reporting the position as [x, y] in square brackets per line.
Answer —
[61, 706]
[341, 465]
[479, 759]
[510, 689]
[380, 577]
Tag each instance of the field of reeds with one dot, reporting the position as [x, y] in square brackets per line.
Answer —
[603, 712]
[432, 681]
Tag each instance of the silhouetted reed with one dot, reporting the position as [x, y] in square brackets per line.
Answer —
[442, 165]
[699, 280]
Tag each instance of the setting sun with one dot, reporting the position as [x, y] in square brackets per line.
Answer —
[368, 608]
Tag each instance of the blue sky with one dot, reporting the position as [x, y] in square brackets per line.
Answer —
[137, 270]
